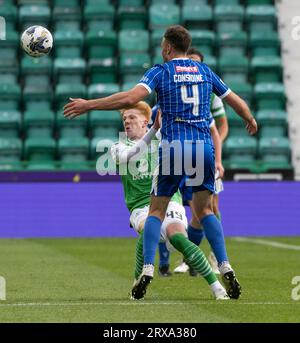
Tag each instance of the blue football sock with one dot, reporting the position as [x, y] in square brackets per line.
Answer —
[214, 233]
[151, 238]
[163, 254]
[195, 235]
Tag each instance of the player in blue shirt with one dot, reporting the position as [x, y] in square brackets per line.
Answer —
[195, 231]
[183, 88]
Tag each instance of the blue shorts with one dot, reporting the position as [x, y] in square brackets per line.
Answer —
[191, 164]
[186, 192]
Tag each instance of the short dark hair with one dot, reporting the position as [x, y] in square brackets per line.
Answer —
[178, 37]
[194, 51]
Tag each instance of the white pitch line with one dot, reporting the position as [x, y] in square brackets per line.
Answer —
[267, 242]
[141, 303]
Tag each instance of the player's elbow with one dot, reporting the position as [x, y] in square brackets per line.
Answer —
[128, 101]
[131, 101]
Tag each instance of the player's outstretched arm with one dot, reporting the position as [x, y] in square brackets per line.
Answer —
[116, 101]
[242, 109]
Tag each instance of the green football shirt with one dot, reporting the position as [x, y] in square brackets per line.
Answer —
[136, 175]
[217, 107]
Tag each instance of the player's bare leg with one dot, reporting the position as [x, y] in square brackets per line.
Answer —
[158, 206]
[215, 205]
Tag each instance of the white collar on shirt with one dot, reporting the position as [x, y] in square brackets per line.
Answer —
[183, 58]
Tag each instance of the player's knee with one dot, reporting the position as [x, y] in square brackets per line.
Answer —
[157, 213]
[158, 207]
[175, 228]
[195, 223]
[140, 228]
[204, 212]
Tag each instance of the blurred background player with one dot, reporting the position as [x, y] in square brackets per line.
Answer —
[137, 190]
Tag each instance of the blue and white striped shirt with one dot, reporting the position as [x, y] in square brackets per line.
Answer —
[184, 89]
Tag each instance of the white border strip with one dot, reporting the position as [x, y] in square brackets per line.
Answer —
[145, 303]
[146, 86]
[267, 242]
[225, 94]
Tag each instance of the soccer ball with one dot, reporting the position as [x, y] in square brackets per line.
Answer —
[36, 41]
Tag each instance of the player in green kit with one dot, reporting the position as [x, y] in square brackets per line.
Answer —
[136, 157]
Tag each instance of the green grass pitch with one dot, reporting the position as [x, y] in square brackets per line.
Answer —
[88, 280]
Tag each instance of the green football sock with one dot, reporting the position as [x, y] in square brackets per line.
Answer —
[194, 256]
[139, 258]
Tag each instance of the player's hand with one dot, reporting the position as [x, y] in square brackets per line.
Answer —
[219, 170]
[251, 126]
[157, 122]
[75, 108]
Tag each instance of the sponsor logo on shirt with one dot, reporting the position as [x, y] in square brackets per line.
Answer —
[145, 79]
[177, 119]
[189, 69]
